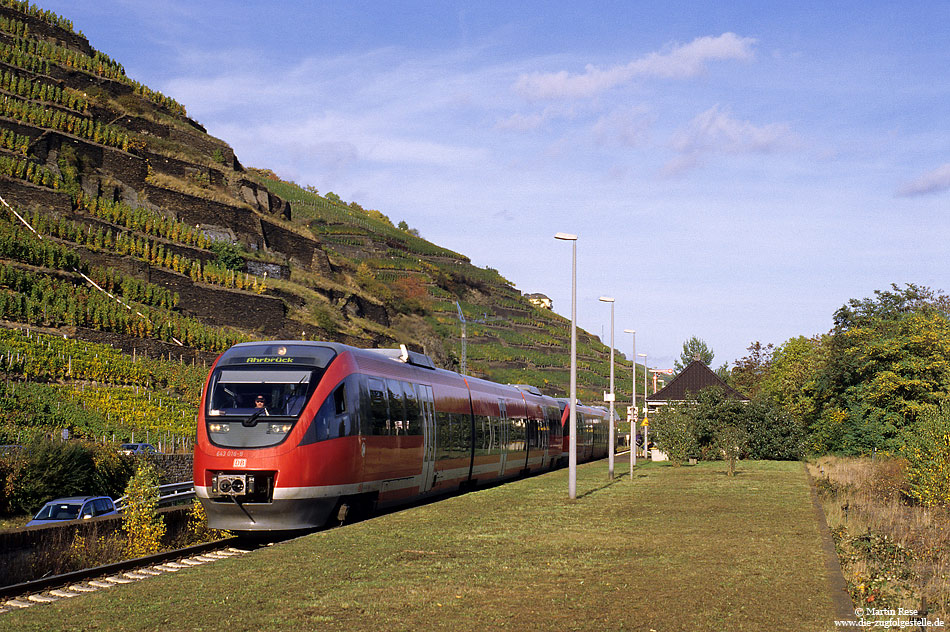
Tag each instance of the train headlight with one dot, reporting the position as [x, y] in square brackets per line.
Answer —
[279, 428]
[219, 427]
[232, 484]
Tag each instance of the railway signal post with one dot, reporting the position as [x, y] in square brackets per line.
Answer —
[633, 403]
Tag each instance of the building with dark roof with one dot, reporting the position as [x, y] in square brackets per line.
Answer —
[686, 386]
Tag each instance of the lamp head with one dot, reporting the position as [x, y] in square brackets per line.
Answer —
[606, 299]
[566, 237]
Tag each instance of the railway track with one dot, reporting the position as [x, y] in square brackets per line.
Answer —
[76, 583]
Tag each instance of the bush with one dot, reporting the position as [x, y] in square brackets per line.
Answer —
[696, 428]
[52, 469]
[197, 530]
[674, 431]
[773, 433]
[144, 528]
[926, 445]
[228, 255]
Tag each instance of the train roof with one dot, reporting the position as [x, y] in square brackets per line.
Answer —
[320, 354]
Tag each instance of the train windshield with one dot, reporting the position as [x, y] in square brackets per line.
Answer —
[272, 390]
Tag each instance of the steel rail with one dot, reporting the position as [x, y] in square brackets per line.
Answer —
[55, 581]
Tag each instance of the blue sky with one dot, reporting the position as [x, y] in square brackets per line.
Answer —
[735, 171]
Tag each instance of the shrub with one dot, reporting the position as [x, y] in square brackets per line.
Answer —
[198, 530]
[926, 445]
[228, 255]
[674, 431]
[773, 433]
[143, 527]
[52, 469]
[325, 317]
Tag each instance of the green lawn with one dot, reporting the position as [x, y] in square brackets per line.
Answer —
[683, 548]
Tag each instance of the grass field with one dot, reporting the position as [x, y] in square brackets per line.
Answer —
[684, 548]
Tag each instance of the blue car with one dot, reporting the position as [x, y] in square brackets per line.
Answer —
[73, 508]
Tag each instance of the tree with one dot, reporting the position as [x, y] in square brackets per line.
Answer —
[888, 359]
[749, 372]
[732, 441]
[795, 369]
[694, 349]
[926, 445]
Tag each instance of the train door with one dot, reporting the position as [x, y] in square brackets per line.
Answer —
[502, 436]
[427, 409]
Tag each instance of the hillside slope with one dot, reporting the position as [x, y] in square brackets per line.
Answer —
[123, 222]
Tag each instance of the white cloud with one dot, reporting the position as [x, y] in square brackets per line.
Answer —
[716, 132]
[518, 122]
[935, 181]
[530, 122]
[678, 62]
[627, 127]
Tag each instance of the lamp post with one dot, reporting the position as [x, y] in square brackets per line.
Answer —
[633, 402]
[646, 428]
[610, 440]
[572, 442]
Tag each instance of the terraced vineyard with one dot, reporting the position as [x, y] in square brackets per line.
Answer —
[128, 235]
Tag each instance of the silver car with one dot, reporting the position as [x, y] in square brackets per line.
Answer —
[73, 508]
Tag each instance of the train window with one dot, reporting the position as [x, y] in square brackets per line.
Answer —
[554, 422]
[413, 411]
[532, 432]
[234, 391]
[397, 408]
[339, 399]
[443, 442]
[461, 435]
[378, 406]
[516, 435]
[486, 440]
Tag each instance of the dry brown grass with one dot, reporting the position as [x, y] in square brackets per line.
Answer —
[893, 554]
[172, 183]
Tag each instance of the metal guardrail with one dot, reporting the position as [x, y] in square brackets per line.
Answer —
[167, 494]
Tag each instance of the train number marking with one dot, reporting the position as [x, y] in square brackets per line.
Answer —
[240, 463]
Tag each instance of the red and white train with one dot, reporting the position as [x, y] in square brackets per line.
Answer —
[293, 433]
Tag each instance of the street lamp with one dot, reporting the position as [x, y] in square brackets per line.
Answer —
[646, 427]
[610, 440]
[633, 402]
[572, 443]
